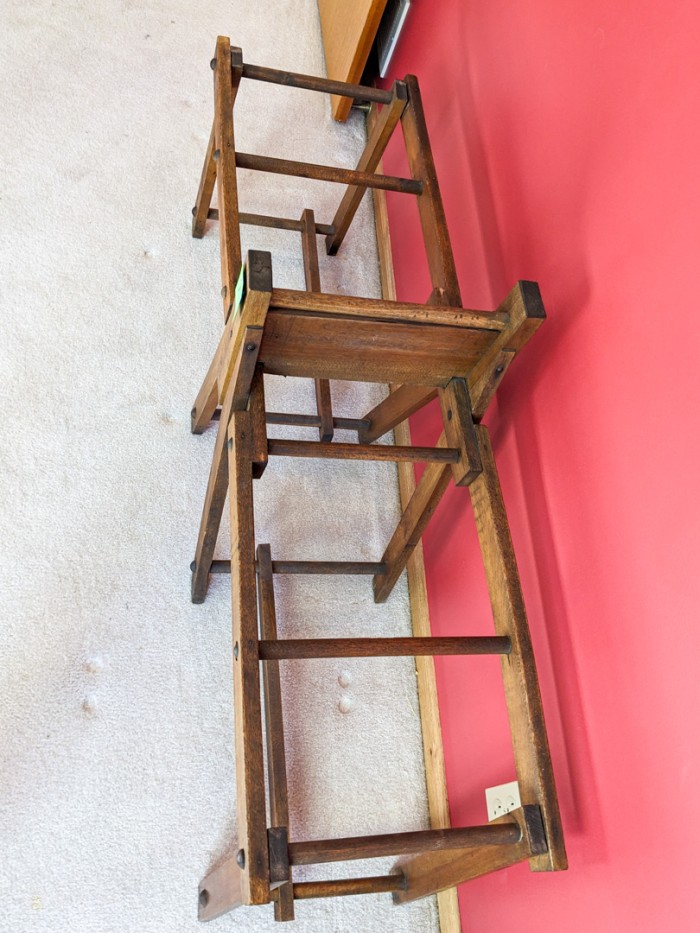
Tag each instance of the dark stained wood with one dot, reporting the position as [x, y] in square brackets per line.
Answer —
[483, 388]
[327, 567]
[459, 430]
[378, 309]
[441, 263]
[250, 773]
[312, 567]
[533, 763]
[378, 884]
[336, 451]
[220, 891]
[524, 310]
[321, 851]
[378, 138]
[314, 421]
[225, 156]
[430, 489]
[200, 211]
[435, 871]
[233, 377]
[396, 407]
[256, 407]
[302, 648]
[324, 404]
[312, 83]
[365, 350]
[274, 735]
[280, 223]
[214, 501]
[340, 176]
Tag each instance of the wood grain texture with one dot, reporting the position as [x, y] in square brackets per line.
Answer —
[200, 211]
[533, 763]
[377, 884]
[322, 851]
[380, 309]
[314, 83]
[459, 430]
[250, 773]
[378, 137]
[366, 350]
[443, 272]
[422, 504]
[524, 310]
[400, 404]
[274, 725]
[235, 367]
[256, 406]
[225, 155]
[436, 871]
[337, 451]
[348, 31]
[220, 891]
[298, 648]
[331, 173]
[324, 405]
[433, 755]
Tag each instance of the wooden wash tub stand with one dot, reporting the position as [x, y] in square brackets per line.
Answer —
[437, 349]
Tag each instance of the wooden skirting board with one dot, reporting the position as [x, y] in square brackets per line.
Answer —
[438, 806]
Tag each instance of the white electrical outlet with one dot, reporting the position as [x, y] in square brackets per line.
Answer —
[502, 799]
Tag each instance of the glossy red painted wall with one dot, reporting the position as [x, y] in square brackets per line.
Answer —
[566, 137]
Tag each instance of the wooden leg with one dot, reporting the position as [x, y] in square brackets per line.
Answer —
[533, 764]
[214, 501]
[324, 405]
[250, 776]
[443, 272]
[206, 189]
[379, 136]
[227, 73]
[436, 871]
[433, 483]
[395, 408]
[459, 430]
[274, 727]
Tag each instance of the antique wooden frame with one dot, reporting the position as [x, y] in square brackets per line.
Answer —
[437, 349]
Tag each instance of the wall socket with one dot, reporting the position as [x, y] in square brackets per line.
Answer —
[502, 799]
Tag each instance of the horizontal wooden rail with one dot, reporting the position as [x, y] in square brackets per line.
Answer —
[313, 83]
[333, 451]
[265, 220]
[304, 648]
[289, 299]
[317, 852]
[341, 176]
[380, 884]
[311, 567]
[306, 421]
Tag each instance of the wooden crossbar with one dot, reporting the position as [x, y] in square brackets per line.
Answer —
[341, 176]
[310, 83]
[336, 451]
[378, 884]
[265, 220]
[298, 648]
[321, 851]
[311, 567]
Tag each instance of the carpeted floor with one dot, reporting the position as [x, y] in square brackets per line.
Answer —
[117, 782]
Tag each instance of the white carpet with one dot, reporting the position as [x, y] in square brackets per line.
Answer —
[117, 779]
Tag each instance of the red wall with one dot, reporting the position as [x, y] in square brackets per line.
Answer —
[566, 141]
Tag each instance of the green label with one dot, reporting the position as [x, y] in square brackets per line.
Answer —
[240, 291]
